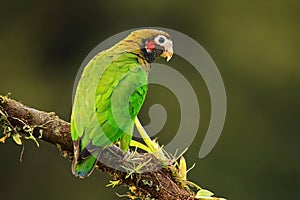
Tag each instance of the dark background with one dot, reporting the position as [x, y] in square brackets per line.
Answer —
[255, 45]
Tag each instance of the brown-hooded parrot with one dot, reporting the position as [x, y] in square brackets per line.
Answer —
[110, 94]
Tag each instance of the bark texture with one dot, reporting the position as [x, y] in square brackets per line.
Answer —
[158, 184]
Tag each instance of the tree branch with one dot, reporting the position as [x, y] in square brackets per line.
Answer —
[158, 184]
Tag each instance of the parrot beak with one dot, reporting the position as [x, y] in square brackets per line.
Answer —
[168, 53]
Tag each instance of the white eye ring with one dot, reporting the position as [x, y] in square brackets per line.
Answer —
[160, 39]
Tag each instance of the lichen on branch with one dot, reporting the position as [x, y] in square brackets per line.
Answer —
[152, 181]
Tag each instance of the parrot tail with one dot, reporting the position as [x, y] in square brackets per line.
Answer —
[84, 168]
[84, 162]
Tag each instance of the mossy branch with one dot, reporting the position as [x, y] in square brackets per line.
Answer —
[145, 175]
[50, 128]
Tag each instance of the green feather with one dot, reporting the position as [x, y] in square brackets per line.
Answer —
[106, 103]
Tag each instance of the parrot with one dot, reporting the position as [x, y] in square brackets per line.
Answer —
[110, 94]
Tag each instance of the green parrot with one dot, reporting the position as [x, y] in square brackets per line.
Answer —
[110, 94]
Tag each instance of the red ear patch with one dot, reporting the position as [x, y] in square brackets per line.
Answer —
[150, 45]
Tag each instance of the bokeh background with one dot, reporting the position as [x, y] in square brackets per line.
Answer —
[255, 45]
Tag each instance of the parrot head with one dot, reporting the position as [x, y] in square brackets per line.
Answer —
[152, 43]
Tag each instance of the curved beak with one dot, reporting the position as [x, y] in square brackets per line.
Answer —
[168, 53]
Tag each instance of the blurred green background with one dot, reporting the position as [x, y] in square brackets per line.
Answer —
[254, 43]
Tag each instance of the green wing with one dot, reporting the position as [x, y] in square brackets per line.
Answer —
[109, 95]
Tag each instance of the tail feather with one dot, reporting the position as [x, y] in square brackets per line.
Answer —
[85, 167]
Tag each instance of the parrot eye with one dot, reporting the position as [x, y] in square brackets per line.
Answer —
[160, 39]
